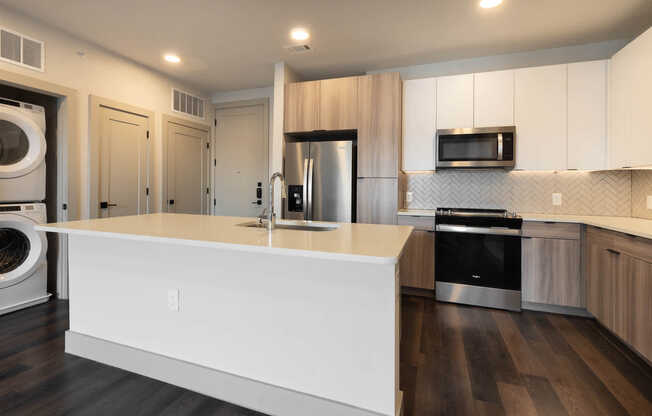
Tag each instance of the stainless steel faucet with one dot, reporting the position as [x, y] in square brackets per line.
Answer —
[271, 215]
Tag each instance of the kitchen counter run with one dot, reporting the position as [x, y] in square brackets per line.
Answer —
[355, 242]
[628, 225]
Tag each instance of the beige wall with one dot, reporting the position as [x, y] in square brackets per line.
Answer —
[98, 72]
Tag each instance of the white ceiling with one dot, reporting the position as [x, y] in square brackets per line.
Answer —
[233, 44]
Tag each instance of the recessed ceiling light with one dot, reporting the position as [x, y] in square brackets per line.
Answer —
[172, 58]
[299, 34]
[488, 4]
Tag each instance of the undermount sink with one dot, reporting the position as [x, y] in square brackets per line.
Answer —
[293, 225]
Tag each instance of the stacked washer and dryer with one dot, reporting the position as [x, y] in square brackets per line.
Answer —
[23, 264]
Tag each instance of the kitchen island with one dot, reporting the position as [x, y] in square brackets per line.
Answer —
[287, 322]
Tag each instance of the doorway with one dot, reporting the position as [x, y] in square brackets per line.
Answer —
[186, 160]
[241, 158]
[120, 143]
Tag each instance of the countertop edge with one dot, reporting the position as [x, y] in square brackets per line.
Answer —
[598, 221]
[231, 246]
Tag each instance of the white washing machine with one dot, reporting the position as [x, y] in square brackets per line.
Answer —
[23, 264]
[22, 151]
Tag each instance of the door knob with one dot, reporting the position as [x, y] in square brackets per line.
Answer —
[171, 201]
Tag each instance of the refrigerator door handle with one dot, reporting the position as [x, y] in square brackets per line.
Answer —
[310, 180]
[305, 189]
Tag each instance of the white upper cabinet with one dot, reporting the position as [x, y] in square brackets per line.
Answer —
[494, 99]
[419, 130]
[455, 102]
[630, 140]
[540, 113]
[587, 115]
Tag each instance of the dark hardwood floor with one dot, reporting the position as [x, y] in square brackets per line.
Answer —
[458, 360]
[455, 360]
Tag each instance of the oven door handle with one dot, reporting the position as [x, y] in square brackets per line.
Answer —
[478, 230]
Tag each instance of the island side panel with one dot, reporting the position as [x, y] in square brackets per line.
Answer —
[327, 328]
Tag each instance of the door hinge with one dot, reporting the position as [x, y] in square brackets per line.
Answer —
[214, 201]
[214, 162]
[146, 191]
[208, 145]
[148, 134]
[208, 191]
[215, 122]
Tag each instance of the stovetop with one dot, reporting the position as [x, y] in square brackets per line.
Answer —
[478, 217]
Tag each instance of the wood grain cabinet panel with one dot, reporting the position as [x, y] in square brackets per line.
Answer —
[302, 106]
[338, 104]
[379, 125]
[551, 271]
[417, 263]
[632, 298]
[602, 267]
[377, 200]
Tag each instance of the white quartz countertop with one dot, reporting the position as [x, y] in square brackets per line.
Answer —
[634, 226]
[354, 242]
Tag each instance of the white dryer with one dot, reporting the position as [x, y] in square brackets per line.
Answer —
[22, 151]
[23, 264]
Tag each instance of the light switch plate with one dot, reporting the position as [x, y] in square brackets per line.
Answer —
[408, 197]
[649, 202]
[556, 199]
[173, 300]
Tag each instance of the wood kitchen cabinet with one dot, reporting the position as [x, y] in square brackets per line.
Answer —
[379, 125]
[550, 265]
[377, 201]
[455, 102]
[417, 264]
[419, 125]
[619, 286]
[540, 114]
[338, 104]
[302, 106]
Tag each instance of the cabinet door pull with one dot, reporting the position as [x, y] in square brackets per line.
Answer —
[612, 251]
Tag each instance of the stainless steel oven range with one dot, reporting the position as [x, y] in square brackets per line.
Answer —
[478, 257]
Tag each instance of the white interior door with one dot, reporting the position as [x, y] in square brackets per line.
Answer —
[123, 164]
[188, 158]
[241, 155]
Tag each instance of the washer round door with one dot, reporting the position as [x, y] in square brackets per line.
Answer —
[22, 144]
[22, 249]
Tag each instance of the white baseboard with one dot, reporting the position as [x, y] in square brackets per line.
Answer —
[252, 394]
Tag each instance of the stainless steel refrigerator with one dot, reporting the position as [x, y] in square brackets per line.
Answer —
[319, 179]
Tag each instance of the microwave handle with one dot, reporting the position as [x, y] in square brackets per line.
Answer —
[500, 146]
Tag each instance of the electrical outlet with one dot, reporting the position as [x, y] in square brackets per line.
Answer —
[173, 300]
[649, 202]
[556, 199]
[408, 197]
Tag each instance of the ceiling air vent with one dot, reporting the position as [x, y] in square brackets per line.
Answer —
[297, 48]
[21, 50]
[185, 103]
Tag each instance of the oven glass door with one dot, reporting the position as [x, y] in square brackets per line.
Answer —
[478, 259]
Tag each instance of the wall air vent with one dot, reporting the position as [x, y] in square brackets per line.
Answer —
[185, 103]
[297, 48]
[21, 50]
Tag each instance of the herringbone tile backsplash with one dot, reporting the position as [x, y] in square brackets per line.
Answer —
[641, 188]
[583, 193]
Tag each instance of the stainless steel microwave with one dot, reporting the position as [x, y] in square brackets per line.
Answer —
[487, 147]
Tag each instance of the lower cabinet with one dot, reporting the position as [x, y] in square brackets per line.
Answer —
[417, 264]
[619, 286]
[551, 271]
[550, 264]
